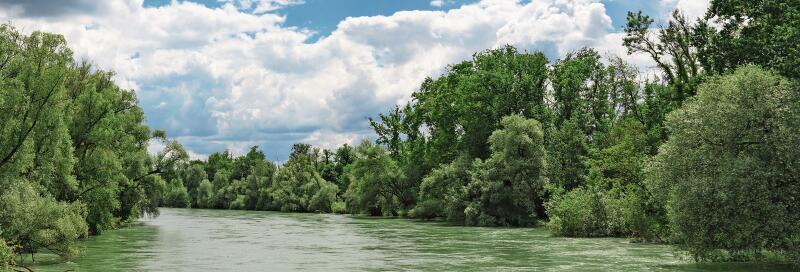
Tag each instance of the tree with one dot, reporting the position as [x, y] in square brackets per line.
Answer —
[298, 187]
[205, 194]
[33, 222]
[344, 156]
[218, 162]
[567, 156]
[221, 183]
[176, 195]
[733, 151]
[673, 49]
[192, 177]
[443, 191]
[752, 32]
[376, 182]
[507, 188]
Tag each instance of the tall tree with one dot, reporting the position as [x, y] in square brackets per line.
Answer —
[733, 151]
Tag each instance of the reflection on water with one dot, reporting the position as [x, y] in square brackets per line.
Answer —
[217, 240]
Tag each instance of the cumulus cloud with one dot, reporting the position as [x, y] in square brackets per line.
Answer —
[235, 76]
[262, 6]
[692, 9]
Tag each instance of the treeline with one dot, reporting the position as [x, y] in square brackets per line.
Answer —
[73, 150]
[703, 156]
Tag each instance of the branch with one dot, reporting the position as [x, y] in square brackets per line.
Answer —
[24, 136]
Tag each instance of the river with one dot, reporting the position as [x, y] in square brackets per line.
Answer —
[221, 240]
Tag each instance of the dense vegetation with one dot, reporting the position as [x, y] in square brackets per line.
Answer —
[703, 156]
[73, 149]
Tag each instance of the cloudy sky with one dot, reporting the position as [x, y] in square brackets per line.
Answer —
[230, 74]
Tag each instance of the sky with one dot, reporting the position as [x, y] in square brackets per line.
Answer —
[230, 74]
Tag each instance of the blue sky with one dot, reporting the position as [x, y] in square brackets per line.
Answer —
[322, 16]
[230, 74]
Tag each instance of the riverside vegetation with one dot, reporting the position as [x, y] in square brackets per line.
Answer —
[704, 155]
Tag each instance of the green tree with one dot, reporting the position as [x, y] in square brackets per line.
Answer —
[733, 151]
[33, 222]
[443, 191]
[567, 156]
[192, 177]
[376, 182]
[672, 48]
[298, 186]
[176, 195]
[752, 32]
[507, 188]
[205, 194]
[344, 156]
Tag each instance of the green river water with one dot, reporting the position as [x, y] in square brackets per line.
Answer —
[220, 240]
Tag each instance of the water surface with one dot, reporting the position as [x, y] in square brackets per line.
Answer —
[220, 240]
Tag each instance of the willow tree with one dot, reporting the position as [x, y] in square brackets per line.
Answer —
[507, 188]
[73, 147]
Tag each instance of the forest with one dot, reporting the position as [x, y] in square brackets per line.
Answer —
[702, 154]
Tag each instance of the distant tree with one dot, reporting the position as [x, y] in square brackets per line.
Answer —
[205, 194]
[176, 195]
[376, 182]
[443, 191]
[298, 186]
[567, 156]
[672, 48]
[344, 156]
[192, 177]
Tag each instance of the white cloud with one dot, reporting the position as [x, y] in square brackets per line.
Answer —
[437, 3]
[692, 9]
[262, 6]
[234, 76]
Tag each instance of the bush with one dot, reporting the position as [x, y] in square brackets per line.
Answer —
[578, 213]
[339, 206]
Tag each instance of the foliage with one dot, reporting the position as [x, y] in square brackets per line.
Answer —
[442, 192]
[298, 187]
[205, 194]
[73, 147]
[33, 222]
[733, 150]
[376, 182]
[507, 188]
[176, 195]
[6, 256]
[752, 32]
